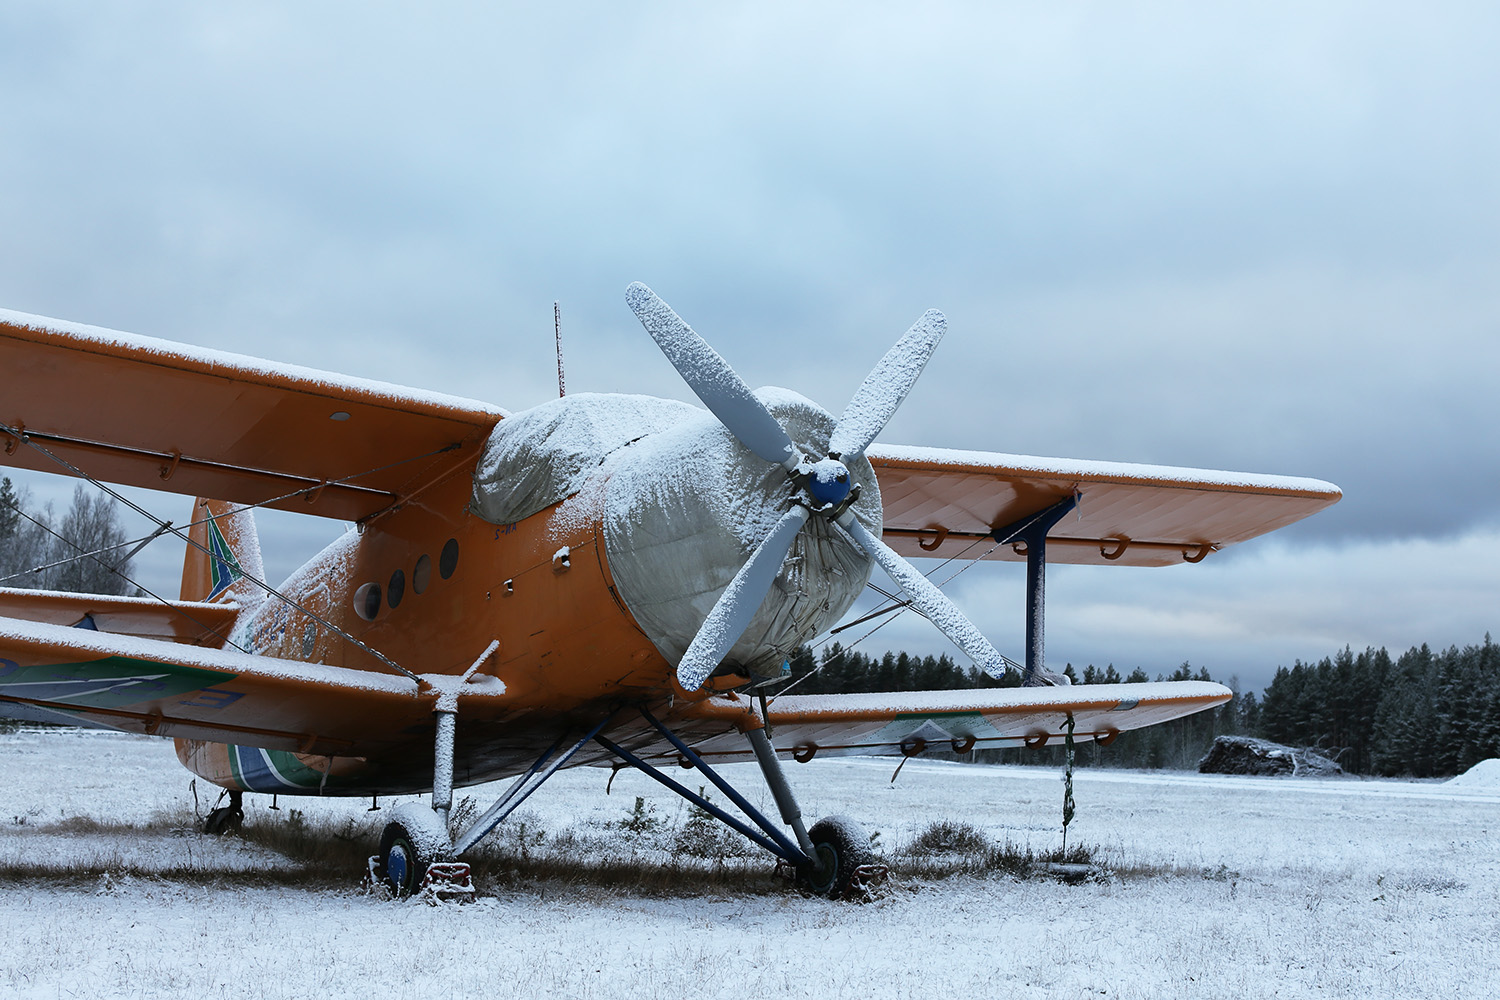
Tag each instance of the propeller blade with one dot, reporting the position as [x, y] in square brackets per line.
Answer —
[886, 386]
[926, 598]
[714, 381]
[737, 605]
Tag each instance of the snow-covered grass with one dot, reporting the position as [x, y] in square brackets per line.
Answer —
[1224, 887]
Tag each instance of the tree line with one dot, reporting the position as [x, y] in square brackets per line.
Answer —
[1422, 714]
[1425, 714]
[83, 551]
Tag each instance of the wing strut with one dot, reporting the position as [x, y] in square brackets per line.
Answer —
[1030, 534]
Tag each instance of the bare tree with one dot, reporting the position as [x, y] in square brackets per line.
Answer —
[25, 541]
[83, 554]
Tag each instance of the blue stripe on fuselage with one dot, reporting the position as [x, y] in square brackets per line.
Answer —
[256, 772]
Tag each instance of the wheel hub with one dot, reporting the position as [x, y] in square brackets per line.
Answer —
[823, 871]
[396, 864]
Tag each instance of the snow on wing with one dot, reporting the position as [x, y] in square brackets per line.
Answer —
[943, 503]
[987, 718]
[83, 677]
[143, 617]
[223, 425]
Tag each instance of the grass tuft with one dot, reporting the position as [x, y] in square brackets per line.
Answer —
[328, 845]
[947, 837]
[948, 848]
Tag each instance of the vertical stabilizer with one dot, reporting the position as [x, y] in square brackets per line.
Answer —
[228, 532]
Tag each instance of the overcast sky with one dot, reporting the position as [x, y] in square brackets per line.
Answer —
[1262, 240]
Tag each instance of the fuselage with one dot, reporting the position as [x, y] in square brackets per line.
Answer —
[590, 598]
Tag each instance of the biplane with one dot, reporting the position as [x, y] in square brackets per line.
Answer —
[608, 580]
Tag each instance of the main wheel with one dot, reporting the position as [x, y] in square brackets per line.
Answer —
[412, 841]
[401, 863]
[840, 847]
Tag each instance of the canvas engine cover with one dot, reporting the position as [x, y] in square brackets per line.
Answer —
[684, 509]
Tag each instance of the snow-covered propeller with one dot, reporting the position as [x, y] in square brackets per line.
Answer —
[823, 487]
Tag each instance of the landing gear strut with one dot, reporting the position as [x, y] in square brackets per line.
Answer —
[832, 859]
[416, 850]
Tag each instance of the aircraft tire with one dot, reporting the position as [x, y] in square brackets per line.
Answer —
[225, 819]
[840, 846]
[414, 839]
[402, 865]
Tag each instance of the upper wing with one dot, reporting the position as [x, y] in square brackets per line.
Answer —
[167, 416]
[78, 676]
[945, 503]
[912, 721]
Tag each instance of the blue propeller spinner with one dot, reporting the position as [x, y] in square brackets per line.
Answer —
[825, 486]
[828, 481]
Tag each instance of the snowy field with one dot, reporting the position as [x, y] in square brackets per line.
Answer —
[1225, 887]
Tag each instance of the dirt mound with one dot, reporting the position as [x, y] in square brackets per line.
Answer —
[1247, 755]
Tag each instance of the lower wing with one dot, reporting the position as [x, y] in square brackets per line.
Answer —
[910, 722]
[77, 676]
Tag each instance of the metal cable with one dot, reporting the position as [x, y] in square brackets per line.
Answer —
[263, 585]
[115, 570]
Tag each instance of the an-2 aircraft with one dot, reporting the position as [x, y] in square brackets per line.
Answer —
[601, 580]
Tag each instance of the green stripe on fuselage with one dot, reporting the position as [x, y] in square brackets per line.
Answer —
[257, 770]
[291, 769]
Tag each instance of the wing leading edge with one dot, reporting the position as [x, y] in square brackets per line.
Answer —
[146, 618]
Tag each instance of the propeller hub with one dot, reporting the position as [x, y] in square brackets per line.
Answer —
[828, 481]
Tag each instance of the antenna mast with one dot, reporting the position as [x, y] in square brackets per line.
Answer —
[562, 389]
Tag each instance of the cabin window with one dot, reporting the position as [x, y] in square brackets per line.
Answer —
[448, 558]
[396, 589]
[367, 601]
[422, 574]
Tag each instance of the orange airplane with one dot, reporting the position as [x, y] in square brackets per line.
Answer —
[601, 580]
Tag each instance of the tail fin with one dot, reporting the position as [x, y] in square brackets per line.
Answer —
[229, 533]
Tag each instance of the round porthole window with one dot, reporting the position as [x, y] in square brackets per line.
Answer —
[367, 601]
[396, 589]
[448, 558]
[421, 575]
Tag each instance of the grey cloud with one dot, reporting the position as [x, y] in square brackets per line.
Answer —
[1260, 239]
